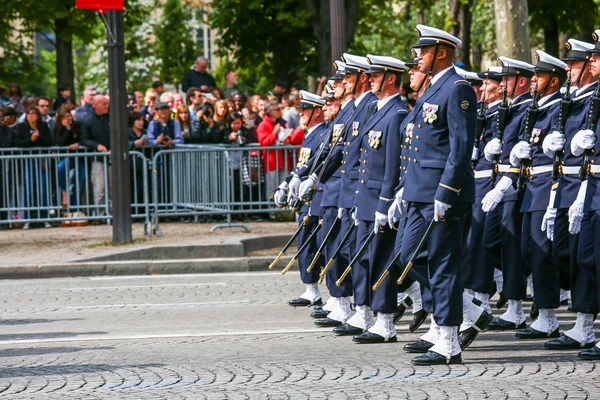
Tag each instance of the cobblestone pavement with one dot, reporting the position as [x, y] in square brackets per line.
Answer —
[232, 336]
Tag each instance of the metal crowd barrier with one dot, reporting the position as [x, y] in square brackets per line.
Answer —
[55, 185]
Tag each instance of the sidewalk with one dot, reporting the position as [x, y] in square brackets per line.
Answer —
[62, 245]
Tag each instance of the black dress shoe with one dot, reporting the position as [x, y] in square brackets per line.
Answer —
[319, 313]
[370, 337]
[466, 337]
[531, 333]
[592, 354]
[420, 346]
[347, 330]
[502, 300]
[534, 313]
[327, 323]
[432, 358]
[318, 307]
[418, 319]
[401, 309]
[300, 302]
[500, 324]
[566, 343]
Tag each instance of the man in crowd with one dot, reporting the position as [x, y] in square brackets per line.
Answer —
[198, 77]
[291, 115]
[194, 101]
[158, 87]
[86, 108]
[231, 86]
[64, 97]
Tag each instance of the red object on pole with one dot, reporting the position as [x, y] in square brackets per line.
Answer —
[98, 5]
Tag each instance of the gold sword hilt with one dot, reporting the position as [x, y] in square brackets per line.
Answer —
[314, 262]
[344, 275]
[287, 267]
[324, 272]
[276, 260]
[404, 273]
[380, 280]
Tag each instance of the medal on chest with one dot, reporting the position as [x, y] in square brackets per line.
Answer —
[409, 132]
[375, 139]
[430, 112]
[304, 156]
[535, 135]
[355, 126]
[337, 133]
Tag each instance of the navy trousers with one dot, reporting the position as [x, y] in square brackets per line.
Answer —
[564, 248]
[483, 262]
[588, 261]
[306, 257]
[442, 273]
[338, 266]
[536, 249]
[409, 280]
[381, 251]
[361, 277]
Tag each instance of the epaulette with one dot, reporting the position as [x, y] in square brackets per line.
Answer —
[460, 80]
[402, 111]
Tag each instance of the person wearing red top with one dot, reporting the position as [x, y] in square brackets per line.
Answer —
[277, 163]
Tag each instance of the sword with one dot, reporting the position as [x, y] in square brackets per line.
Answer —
[322, 246]
[289, 243]
[417, 250]
[336, 253]
[293, 260]
[387, 271]
[359, 254]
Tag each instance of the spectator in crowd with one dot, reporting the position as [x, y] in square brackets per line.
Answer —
[16, 97]
[137, 140]
[64, 97]
[168, 99]
[43, 104]
[66, 134]
[95, 135]
[218, 94]
[291, 115]
[239, 101]
[149, 109]
[8, 129]
[230, 106]
[278, 91]
[261, 104]
[268, 133]
[197, 76]
[86, 108]
[231, 86]
[177, 101]
[132, 104]
[182, 115]
[221, 113]
[195, 98]
[34, 132]
[4, 100]
[164, 130]
[204, 128]
[139, 97]
[158, 87]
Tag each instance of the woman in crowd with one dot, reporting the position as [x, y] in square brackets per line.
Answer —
[137, 140]
[221, 114]
[66, 134]
[149, 110]
[183, 116]
[34, 133]
[205, 129]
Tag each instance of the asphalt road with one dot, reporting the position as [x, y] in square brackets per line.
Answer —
[232, 336]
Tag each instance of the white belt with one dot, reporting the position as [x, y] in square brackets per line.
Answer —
[569, 170]
[594, 169]
[503, 167]
[487, 173]
[540, 169]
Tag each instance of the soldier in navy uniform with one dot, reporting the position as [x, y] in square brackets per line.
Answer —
[481, 272]
[311, 113]
[584, 213]
[536, 248]
[438, 188]
[328, 174]
[386, 76]
[516, 83]
[555, 223]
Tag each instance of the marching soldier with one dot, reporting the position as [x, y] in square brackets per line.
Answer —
[311, 114]
[555, 223]
[380, 128]
[515, 85]
[536, 173]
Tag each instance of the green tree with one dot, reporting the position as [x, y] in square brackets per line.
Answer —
[175, 44]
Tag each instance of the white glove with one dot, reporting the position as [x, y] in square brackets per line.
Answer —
[280, 193]
[391, 214]
[492, 148]
[576, 210]
[293, 189]
[341, 213]
[522, 150]
[307, 186]
[475, 154]
[354, 217]
[553, 142]
[582, 141]
[380, 221]
[548, 223]
[401, 204]
[439, 210]
[495, 196]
